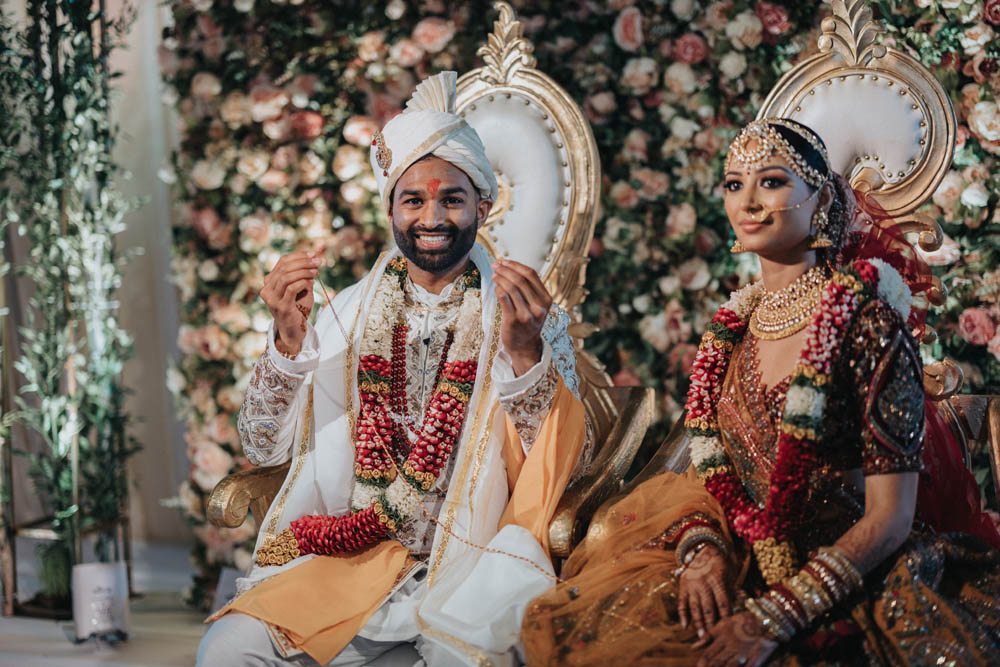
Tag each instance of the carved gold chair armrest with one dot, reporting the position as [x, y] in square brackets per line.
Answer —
[671, 455]
[607, 470]
[246, 491]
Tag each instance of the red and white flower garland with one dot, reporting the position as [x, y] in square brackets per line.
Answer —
[770, 528]
[383, 501]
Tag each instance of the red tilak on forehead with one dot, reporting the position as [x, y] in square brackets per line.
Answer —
[433, 185]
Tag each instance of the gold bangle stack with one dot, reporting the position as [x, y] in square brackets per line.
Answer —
[787, 311]
[829, 578]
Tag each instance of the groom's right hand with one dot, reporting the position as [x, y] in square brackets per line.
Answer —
[288, 293]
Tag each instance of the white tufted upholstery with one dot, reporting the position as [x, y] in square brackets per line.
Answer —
[530, 162]
[866, 120]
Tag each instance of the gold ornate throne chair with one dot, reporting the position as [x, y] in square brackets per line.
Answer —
[890, 129]
[547, 165]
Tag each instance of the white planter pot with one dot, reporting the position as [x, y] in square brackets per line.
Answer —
[100, 599]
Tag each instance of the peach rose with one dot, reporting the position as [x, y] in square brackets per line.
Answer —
[654, 184]
[311, 168]
[208, 174]
[681, 220]
[255, 231]
[636, 145]
[640, 74]
[230, 398]
[974, 38]
[432, 34]
[653, 330]
[217, 548]
[976, 326]
[210, 227]
[273, 180]
[623, 195]
[406, 53]
[745, 31]
[690, 48]
[252, 164]
[947, 193]
[250, 345]
[984, 120]
[213, 342]
[371, 44]
[715, 15]
[348, 244]
[284, 157]
[733, 64]
[348, 162]
[307, 124]
[316, 221]
[359, 130]
[267, 101]
[190, 500]
[774, 18]
[236, 110]
[230, 315]
[220, 428]
[679, 79]
[694, 274]
[352, 192]
[627, 29]
[683, 9]
[279, 128]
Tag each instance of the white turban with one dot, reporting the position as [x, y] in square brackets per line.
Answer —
[429, 125]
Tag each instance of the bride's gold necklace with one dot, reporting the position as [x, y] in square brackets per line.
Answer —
[787, 311]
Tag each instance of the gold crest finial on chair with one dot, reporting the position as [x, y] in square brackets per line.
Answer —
[852, 33]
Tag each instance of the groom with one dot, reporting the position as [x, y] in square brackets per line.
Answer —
[432, 418]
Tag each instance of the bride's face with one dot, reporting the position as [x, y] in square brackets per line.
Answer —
[754, 197]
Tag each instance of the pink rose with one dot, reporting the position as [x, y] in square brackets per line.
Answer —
[255, 232]
[627, 29]
[681, 220]
[371, 44]
[948, 253]
[601, 103]
[623, 195]
[301, 89]
[626, 377]
[266, 101]
[690, 48]
[273, 180]
[220, 429]
[209, 226]
[212, 342]
[640, 74]
[683, 355]
[406, 53]
[774, 18]
[705, 240]
[359, 130]
[654, 183]
[433, 34]
[206, 86]
[677, 327]
[694, 274]
[976, 326]
[284, 157]
[636, 143]
[307, 124]
[991, 11]
[348, 162]
[348, 243]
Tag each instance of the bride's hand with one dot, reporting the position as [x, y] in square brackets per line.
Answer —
[703, 592]
[737, 640]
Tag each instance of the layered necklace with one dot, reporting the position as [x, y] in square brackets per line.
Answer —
[771, 528]
[787, 311]
[382, 500]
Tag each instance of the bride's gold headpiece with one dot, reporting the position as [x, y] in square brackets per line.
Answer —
[770, 141]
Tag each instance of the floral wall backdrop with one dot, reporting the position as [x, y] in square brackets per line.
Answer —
[277, 100]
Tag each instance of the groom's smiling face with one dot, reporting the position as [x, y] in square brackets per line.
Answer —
[436, 211]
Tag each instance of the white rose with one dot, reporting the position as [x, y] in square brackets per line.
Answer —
[175, 380]
[253, 164]
[395, 10]
[642, 303]
[208, 174]
[745, 31]
[733, 64]
[681, 220]
[984, 120]
[202, 5]
[694, 274]
[975, 195]
[208, 270]
[680, 79]
[250, 345]
[205, 85]
[653, 330]
[975, 37]
[639, 75]
[683, 9]
[669, 284]
[683, 128]
[243, 5]
[311, 168]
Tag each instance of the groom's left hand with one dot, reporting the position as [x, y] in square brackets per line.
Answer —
[524, 304]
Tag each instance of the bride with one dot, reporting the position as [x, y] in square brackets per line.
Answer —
[813, 526]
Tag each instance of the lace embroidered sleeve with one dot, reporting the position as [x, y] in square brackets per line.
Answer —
[887, 373]
[267, 419]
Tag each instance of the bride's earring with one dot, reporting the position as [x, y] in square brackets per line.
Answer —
[820, 240]
[738, 248]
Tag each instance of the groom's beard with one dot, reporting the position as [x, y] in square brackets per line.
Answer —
[436, 261]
